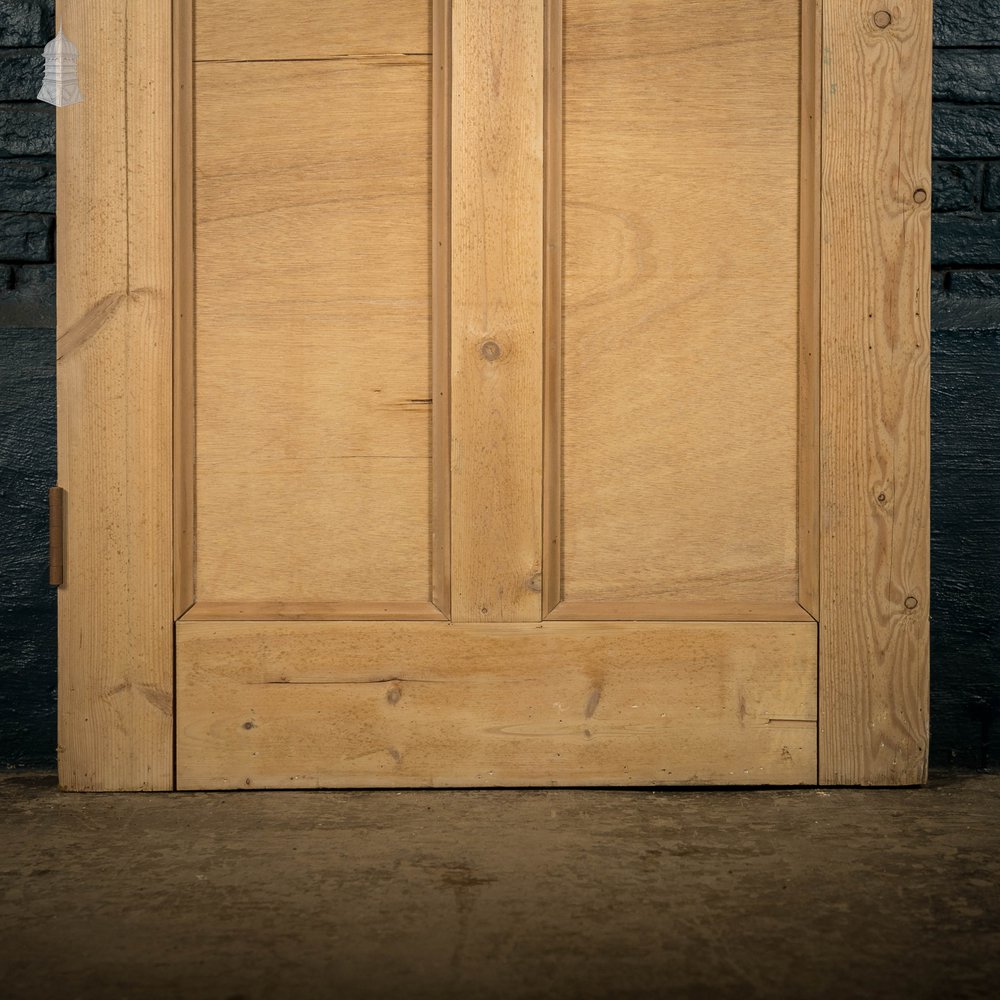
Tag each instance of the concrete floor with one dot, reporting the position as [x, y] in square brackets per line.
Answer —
[841, 893]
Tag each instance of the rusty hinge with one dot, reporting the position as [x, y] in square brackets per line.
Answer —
[57, 505]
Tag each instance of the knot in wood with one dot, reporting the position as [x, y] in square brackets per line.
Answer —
[490, 350]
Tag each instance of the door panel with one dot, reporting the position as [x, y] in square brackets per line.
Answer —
[353, 704]
[313, 331]
[680, 315]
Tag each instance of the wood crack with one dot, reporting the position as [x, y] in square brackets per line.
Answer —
[373, 680]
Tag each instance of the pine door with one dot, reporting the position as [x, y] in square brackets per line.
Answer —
[496, 435]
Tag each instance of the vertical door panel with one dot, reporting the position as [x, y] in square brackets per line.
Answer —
[679, 319]
[313, 339]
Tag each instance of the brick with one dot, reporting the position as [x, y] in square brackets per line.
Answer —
[991, 195]
[26, 237]
[21, 74]
[968, 131]
[958, 315]
[971, 302]
[26, 22]
[37, 280]
[967, 75]
[967, 22]
[970, 240]
[28, 185]
[957, 186]
[30, 301]
[27, 130]
[975, 284]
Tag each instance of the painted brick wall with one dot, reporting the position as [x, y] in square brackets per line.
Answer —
[27, 388]
[966, 386]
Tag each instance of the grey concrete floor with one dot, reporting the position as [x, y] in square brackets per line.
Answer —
[774, 893]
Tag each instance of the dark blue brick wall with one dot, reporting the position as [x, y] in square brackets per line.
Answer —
[27, 388]
[965, 390]
[965, 386]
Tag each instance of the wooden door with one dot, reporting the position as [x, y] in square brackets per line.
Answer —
[488, 351]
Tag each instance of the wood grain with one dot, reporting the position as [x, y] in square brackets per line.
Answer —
[680, 317]
[496, 285]
[314, 287]
[874, 583]
[426, 704]
[242, 30]
[114, 323]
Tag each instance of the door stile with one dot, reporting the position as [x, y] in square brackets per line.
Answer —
[875, 440]
[114, 352]
[497, 309]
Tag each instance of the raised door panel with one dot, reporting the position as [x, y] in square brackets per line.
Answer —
[313, 321]
[680, 309]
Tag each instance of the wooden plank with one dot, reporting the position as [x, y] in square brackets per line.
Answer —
[874, 583]
[552, 498]
[680, 321]
[681, 611]
[426, 704]
[317, 611]
[114, 389]
[241, 30]
[810, 278]
[441, 308]
[314, 350]
[497, 194]
[184, 316]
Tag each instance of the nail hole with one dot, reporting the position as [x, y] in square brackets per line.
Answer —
[883, 19]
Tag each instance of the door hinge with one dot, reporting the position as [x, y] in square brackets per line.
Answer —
[57, 513]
